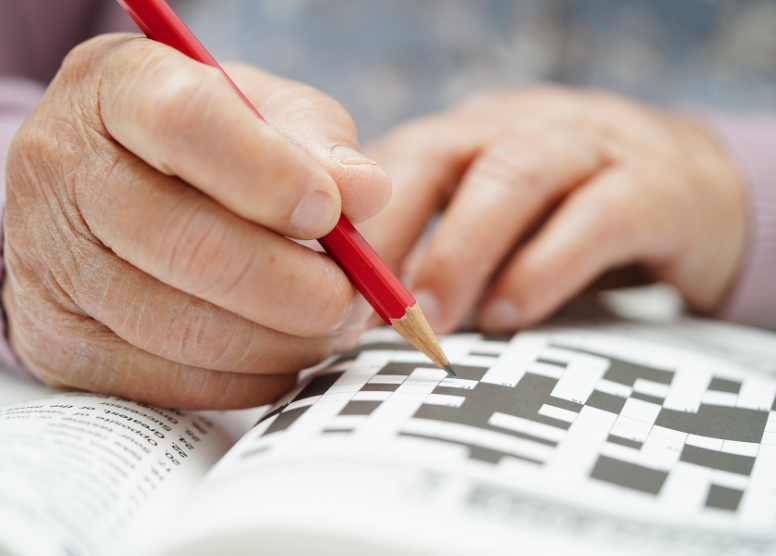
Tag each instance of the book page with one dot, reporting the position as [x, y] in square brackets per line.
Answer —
[588, 440]
[84, 474]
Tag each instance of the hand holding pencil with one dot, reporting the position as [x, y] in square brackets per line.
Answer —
[146, 221]
[390, 299]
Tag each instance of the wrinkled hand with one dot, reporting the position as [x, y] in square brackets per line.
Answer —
[541, 191]
[147, 209]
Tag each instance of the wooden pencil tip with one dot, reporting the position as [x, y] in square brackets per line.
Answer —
[414, 328]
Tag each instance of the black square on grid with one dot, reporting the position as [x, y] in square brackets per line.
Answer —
[724, 498]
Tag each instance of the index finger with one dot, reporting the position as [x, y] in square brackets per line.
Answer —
[513, 182]
[185, 119]
[425, 160]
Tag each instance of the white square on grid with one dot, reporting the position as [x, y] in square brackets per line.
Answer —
[547, 432]
[545, 369]
[422, 373]
[557, 354]
[371, 396]
[459, 433]
[676, 402]
[484, 361]
[339, 388]
[401, 356]
[639, 426]
[302, 403]
[510, 381]
[509, 422]
[620, 452]
[600, 414]
[458, 383]
[531, 450]
[740, 448]
[485, 346]
[613, 388]
[657, 458]
[704, 442]
[730, 480]
[651, 388]
[640, 410]
[387, 379]
[670, 434]
[588, 431]
[445, 400]
[726, 399]
[570, 395]
[558, 413]
[589, 422]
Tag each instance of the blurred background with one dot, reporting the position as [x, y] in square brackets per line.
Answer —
[389, 60]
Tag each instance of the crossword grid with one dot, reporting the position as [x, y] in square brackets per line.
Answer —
[687, 435]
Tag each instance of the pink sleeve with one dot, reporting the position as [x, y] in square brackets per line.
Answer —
[751, 141]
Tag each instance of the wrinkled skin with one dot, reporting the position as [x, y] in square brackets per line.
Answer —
[542, 190]
[146, 221]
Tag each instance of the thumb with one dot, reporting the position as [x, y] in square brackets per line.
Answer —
[322, 128]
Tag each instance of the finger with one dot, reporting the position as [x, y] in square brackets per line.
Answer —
[321, 127]
[512, 183]
[185, 119]
[93, 358]
[182, 328]
[425, 160]
[606, 224]
[186, 240]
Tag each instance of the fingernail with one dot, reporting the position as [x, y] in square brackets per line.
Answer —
[313, 213]
[347, 340]
[350, 157]
[429, 304]
[501, 314]
[358, 314]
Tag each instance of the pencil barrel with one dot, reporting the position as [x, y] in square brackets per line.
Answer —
[367, 271]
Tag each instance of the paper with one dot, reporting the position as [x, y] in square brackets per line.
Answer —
[590, 434]
[83, 474]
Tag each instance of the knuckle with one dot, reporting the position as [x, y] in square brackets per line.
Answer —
[34, 154]
[204, 336]
[48, 340]
[173, 109]
[307, 104]
[443, 264]
[24, 158]
[608, 216]
[514, 165]
[82, 59]
[198, 253]
[329, 298]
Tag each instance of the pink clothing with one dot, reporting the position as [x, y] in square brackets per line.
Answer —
[751, 142]
[34, 35]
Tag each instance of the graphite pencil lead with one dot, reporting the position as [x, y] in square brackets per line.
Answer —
[414, 328]
[450, 372]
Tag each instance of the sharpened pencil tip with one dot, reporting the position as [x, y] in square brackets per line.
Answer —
[450, 371]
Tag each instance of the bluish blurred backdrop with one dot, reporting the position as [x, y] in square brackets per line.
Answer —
[388, 60]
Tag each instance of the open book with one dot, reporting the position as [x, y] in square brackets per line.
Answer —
[609, 438]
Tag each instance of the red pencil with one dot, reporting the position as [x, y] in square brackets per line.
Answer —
[344, 244]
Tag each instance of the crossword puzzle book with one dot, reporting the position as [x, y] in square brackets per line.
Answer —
[615, 438]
